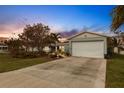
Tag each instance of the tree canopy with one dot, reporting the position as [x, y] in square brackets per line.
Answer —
[34, 36]
[117, 18]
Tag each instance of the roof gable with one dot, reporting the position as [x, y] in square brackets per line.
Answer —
[86, 34]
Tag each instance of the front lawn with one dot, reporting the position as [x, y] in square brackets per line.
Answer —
[7, 63]
[115, 72]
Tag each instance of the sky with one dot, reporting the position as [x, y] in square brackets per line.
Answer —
[59, 17]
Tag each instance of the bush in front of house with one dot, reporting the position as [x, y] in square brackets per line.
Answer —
[59, 54]
[53, 55]
[110, 52]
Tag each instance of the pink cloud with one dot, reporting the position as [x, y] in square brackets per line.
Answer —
[8, 29]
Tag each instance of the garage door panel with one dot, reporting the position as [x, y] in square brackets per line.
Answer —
[88, 49]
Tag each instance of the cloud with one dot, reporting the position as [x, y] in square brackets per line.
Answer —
[12, 26]
[69, 33]
[8, 30]
[93, 28]
[9, 27]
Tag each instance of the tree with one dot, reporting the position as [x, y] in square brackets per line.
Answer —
[27, 38]
[14, 46]
[35, 36]
[117, 23]
[117, 18]
[53, 40]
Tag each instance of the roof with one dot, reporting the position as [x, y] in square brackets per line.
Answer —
[87, 32]
[3, 38]
[62, 44]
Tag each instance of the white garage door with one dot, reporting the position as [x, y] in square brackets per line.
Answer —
[88, 49]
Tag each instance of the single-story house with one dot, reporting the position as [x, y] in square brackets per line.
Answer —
[3, 47]
[63, 46]
[120, 48]
[88, 44]
[84, 44]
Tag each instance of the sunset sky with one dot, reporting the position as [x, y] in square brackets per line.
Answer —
[59, 18]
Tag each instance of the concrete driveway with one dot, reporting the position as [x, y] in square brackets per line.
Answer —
[68, 72]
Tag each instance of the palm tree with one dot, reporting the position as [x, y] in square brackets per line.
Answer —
[117, 18]
[54, 39]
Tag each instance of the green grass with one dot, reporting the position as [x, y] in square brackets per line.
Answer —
[7, 63]
[115, 72]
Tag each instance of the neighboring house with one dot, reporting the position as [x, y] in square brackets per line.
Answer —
[3, 46]
[120, 48]
[63, 46]
[60, 46]
[88, 44]
[45, 49]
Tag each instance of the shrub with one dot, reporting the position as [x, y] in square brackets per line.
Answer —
[109, 52]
